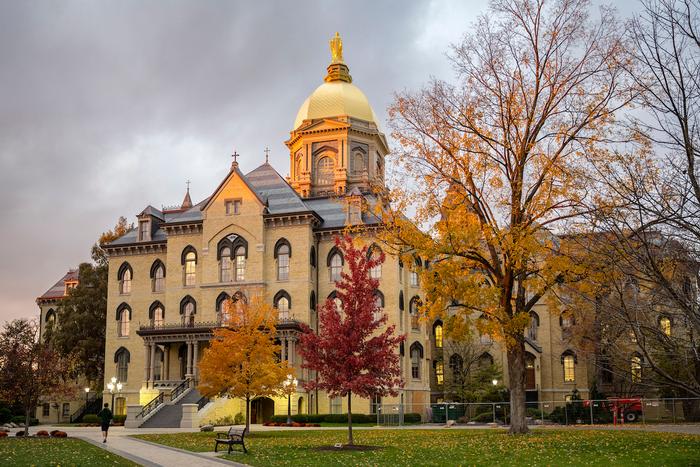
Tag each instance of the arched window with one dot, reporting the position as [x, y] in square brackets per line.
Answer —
[414, 272]
[337, 302]
[283, 303]
[374, 252]
[225, 265]
[400, 272]
[50, 319]
[189, 263]
[297, 167]
[324, 171]
[156, 313]
[437, 334]
[240, 256]
[413, 306]
[665, 325]
[312, 256]
[312, 312]
[379, 305]
[122, 358]
[188, 308]
[566, 320]
[416, 352]
[335, 264]
[222, 312]
[283, 251]
[123, 318]
[485, 360]
[568, 360]
[534, 324]
[636, 368]
[439, 372]
[485, 338]
[358, 163]
[125, 275]
[158, 276]
[456, 366]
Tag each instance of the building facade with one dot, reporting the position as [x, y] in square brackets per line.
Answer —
[260, 234]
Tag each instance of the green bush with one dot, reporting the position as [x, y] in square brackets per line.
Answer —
[486, 417]
[327, 418]
[5, 415]
[239, 419]
[411, 418]
[119, 419]
[91, 418]
[533, 413]
[222, 421]
[20, 419]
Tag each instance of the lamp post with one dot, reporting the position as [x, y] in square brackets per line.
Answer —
[87, 391]
[495, 382]
[114, 386]
[290, 385]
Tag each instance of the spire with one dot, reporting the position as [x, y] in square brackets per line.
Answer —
[187, 202]
[337, 70]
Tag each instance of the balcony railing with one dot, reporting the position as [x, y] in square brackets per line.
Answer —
[203, 325]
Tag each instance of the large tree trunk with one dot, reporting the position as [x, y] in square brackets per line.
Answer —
[350, 443]
[516, 375]
[247, 414]
[27, 417]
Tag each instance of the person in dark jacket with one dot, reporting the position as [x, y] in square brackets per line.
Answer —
[105, 417]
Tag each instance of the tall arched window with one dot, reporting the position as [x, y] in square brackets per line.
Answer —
[439, 372]
[189, 263]
[124, 275]
[375, 252]
[225, 265]
[337, 302]
[222, 305]
[437, 334]
[636, 368]
[240, 263]
[414, 272]
[324, 171]
[566, 320]
[485, 360]
[358, 163]
[283, 303]
[50, 319]
[665, 325]
[335, 264]
[534, 325]
[121, 358]
[123, 318]
[379, 305]
[568, 360]
[188, 308]
[413, 311]
[283, 252]
[400, 272]
[158, 276]
[156, 314]
[312, 313]
[416, 353]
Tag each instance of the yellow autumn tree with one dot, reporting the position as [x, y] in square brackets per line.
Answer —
[500, 164]
[243, 358]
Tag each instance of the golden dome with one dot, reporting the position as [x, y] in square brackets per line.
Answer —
[334, 99]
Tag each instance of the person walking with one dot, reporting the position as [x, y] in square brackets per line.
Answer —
[105, 417]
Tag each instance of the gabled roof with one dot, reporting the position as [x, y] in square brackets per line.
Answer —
[236, 171]
[58, 290]
[151, 211]
[271, 187]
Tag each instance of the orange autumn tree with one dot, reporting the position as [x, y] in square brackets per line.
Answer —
[243, 358]
[500, 163]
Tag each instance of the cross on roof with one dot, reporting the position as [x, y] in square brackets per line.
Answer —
[235, 156]
[188, 185]
[267, 154]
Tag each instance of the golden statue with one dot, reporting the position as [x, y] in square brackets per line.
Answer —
[336, 44]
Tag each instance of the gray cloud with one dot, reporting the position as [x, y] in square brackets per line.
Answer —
[106, 107]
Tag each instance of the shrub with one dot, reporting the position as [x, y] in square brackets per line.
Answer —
[91, 418]
[42, 433]
[59, 434]
[19, 434]
[411, 418]
[3, 434]
[119, 419]
[226, 420]
[5, 415]
[533, 413]
[485, 417]
[239, 419]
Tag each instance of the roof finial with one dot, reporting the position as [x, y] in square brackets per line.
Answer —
[187, 202]
[267, 155]
[337, 70]
[336, 44]
[188, 185]
[234, 164]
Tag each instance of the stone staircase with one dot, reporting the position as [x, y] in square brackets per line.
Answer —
[169, 415]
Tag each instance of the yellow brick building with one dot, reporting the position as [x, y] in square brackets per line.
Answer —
[258, 233]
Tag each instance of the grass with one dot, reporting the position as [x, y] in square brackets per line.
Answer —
[55, 452]
[456, 447]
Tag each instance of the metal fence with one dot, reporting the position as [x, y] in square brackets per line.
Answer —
[573, 412]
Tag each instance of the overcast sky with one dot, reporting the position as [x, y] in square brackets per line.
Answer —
[106, 107]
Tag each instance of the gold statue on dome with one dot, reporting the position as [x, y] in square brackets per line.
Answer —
[336, 44]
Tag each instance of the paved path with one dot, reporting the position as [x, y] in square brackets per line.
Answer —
[143, 452]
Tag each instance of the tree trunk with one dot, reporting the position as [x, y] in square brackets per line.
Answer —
[247, 413]
[350, 443]
[27, 416]
[516, 375]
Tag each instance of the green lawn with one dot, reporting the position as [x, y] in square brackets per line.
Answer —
[55, 451]
[457, 447]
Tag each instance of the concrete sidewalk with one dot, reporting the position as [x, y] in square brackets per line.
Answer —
[142, 452]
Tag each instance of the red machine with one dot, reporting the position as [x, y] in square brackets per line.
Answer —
[623, 410]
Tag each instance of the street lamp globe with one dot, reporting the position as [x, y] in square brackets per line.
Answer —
[495, 382]
[119, 387]
[87, 390]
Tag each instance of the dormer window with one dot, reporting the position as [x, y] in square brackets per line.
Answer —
[145, 230]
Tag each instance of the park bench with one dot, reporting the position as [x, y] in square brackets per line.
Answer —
[233, 436]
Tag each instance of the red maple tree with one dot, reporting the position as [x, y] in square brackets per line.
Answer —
[354, 351]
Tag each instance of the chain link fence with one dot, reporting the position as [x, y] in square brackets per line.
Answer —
[572, 412]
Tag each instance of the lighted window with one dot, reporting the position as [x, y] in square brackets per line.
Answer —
[225, 265]
[124, 323]
[636, 368]
[283, 262]
[336, 267]
[190, 268]
[569, 368]
[665, 324]
[438, 336]
[324, 171]
[439, 372]
[120, 406]
[283, 308]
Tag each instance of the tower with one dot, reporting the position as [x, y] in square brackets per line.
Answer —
[336, 144]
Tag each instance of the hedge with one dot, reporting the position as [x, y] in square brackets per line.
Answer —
[20, 419]
[340, 418]
[91, 418]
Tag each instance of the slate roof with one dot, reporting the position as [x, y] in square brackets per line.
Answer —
[276, 194]
[58, 290]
